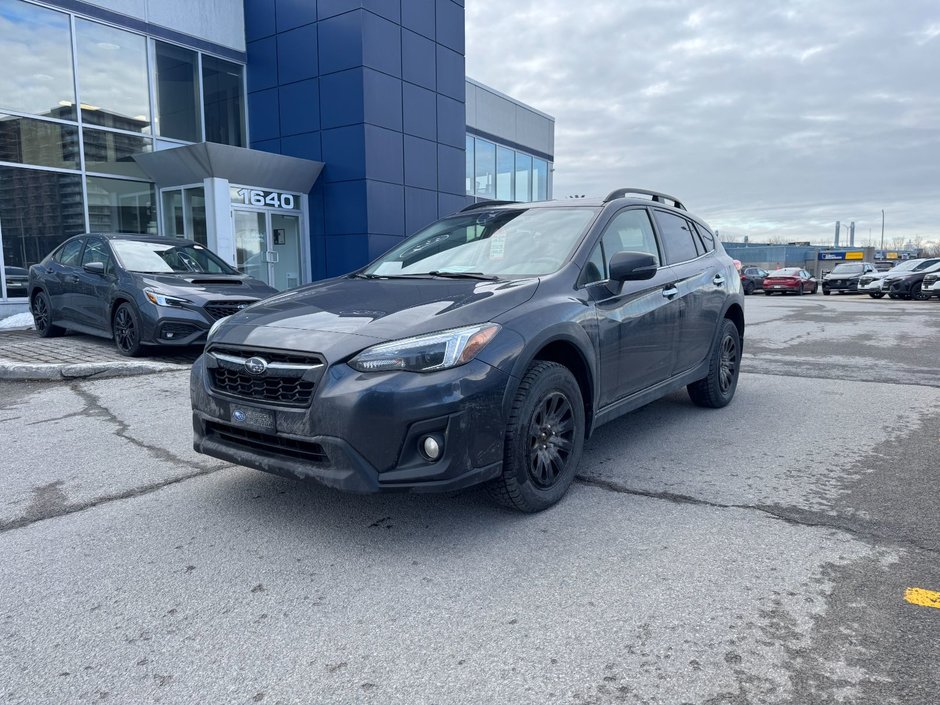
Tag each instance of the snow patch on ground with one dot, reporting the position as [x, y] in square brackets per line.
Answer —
[17, 320]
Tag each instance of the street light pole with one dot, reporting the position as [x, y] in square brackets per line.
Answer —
[882, 228]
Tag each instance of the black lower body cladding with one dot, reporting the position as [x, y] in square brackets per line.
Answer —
[363, 432]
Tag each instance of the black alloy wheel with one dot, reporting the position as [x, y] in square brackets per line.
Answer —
[126, 327]
[877, 295]
[917, 293]
[748, 288]
[42, 316]
[717, 388]
[544, 439]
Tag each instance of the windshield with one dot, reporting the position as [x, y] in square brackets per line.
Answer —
[491, 243]
[788, 272]
[168, 258]
[926, 264]
[847, 269]
[910, 265]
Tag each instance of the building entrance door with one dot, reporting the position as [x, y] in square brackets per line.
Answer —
[268, 246]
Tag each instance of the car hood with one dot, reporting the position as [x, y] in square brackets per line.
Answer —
[339, 317]
[203, 287]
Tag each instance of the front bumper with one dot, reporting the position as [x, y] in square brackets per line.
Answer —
[361, 432]
[851, 285]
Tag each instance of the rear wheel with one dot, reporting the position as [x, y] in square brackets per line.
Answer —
[41, 309]
[126, 328]
[815, 288]
[748, 288]
[544, 438]
[878, 295]
[717, 388]
[767, 293]
[799, 290]
[826, 292]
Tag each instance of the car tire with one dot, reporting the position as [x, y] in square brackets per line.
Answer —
[125, 326]
[716, 389]
[41, 308]
[892, 296]
[879, 295]
[799, 291]
[917, 293]
[534, 478]
[748, 288]
[815, 289]
[826, 292]
[767, 293]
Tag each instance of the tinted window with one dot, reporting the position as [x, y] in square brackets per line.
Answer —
[630, 231]
[223, 101]
[69, 253]
[677, 239]
[705, 237]
[97, 251]
[177, 92]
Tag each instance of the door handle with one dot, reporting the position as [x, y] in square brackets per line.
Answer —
[670, 291]
[718, 280]
[72, 279]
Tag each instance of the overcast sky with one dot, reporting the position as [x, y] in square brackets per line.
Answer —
[772, 119]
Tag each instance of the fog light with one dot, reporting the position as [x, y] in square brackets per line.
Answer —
[430, 448]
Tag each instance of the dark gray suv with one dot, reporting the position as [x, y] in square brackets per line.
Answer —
[484, 349]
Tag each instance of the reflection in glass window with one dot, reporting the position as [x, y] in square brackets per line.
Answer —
[173, 223]
[485, 173]
[110, 152]
[223, 101]
[470, 142]
[523, 177]
[505, 160]
[121, 206]
[39, 210]
[177, 92]
[539, 180]
[196, 206]
[28, 141]
[112, 77]
[36, 47]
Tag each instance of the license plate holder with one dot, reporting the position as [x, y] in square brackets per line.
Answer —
[252, 417]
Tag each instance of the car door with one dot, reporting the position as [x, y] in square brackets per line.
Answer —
[94, 290]
[61, 280]
[637, 320]
[700, 282]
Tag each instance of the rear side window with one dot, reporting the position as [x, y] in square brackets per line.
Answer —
[69, 253]
[677, 238]
[706, 238]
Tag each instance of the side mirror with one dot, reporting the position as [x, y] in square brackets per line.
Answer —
[632, 266]
[94, 268]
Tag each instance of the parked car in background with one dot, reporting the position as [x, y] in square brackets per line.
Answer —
[752, 279]
[17, 280]
[909, 285]
[872, 282]
[931, 285]
[483, 349]
[137, 289]
[844, 277]
[790, 280]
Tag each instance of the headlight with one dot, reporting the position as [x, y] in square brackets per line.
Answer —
[215, 327]
[427, 353]
[161, 299]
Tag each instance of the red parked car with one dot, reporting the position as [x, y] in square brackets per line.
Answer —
[790, 279]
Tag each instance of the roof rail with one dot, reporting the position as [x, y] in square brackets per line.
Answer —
[485, 204]
[657, 196]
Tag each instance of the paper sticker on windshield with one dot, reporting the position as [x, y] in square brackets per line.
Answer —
[498, 246]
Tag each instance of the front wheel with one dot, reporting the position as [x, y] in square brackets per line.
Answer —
[815, 288]
[716, 389]
[41, 309]
[748, 288]
[878, 295]
[826, 292]
[544, 439]
[126, 328]
[917, 293]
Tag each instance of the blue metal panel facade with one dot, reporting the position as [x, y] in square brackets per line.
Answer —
[376, 90]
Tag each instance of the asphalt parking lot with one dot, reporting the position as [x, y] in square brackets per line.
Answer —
[756, 554]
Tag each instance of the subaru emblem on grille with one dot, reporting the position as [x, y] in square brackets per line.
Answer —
[256, 365]
[239, 415]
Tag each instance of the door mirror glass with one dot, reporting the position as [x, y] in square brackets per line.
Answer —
[94, 267]
[632, 266]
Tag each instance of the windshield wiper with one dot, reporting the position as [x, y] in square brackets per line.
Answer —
[462, 275]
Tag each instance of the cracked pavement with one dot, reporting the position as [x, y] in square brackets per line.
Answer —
[755, 554]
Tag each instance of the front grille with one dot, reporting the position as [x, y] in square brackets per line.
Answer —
[289, 379]
[221, 309]
[267, 443]
[931, 279]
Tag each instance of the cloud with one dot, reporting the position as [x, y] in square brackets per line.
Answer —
[770, 120]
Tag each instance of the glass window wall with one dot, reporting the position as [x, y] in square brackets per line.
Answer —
[177, 92]
[469, 152]
[504, 168]
[485, 169]
[539, 180]
[523, 177]
[38, 142]
[223, 101]
[497, 171]
[112, 77]
[36, 47]
[38, 211]
[118, 206]
[111, 152]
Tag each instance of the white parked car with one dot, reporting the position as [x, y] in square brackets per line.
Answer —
[873, 283]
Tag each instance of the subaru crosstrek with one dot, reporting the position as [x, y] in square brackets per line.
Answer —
[484, 349]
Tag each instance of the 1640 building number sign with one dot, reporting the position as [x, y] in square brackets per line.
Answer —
[264, 199]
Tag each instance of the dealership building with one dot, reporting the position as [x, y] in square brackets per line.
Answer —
[299, 139]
